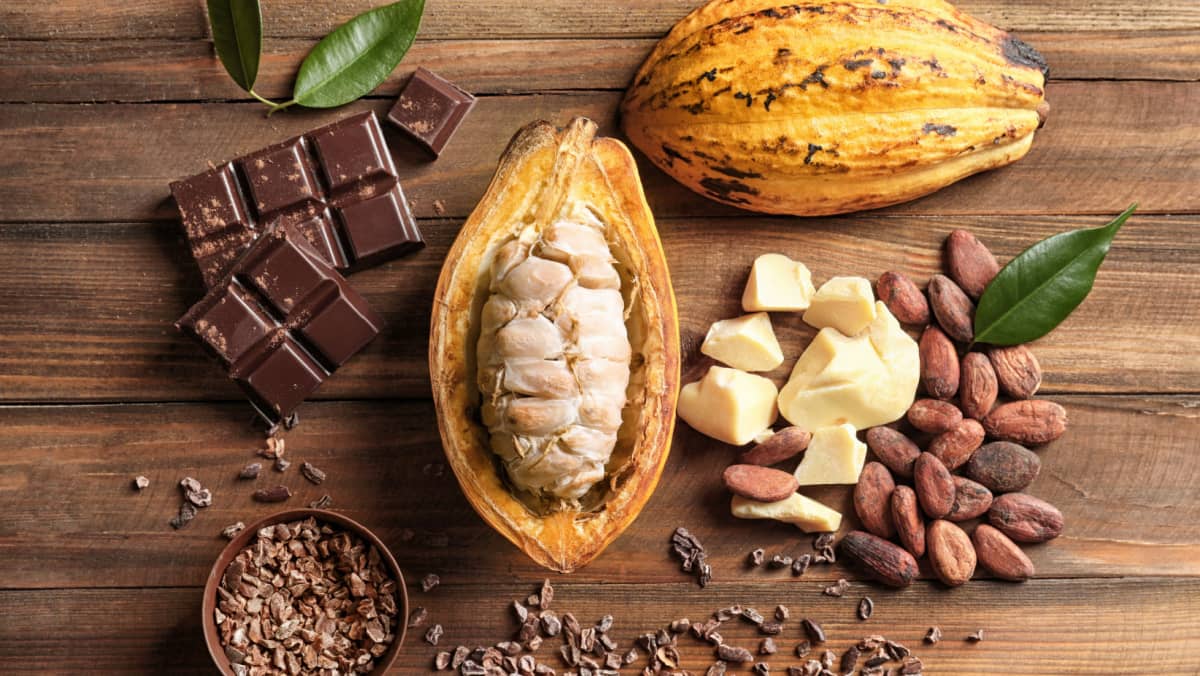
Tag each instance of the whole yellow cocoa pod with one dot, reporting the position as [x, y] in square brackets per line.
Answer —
[831, 107]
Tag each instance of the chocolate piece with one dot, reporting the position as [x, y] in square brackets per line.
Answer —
[336, 183]
[281, 322]
[430, 109]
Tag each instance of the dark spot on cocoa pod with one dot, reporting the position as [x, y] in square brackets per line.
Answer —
[673, 155]
[727, 189]
[813, 149]
[1021, 53]
[736, 173]
[939, 129]
[856, 64]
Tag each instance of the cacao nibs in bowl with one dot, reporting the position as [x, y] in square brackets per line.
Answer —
[304, 592]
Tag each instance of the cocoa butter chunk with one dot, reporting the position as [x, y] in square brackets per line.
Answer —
[729, 405]
[777, 284]
[834, 456]
[865, 380]
[803, 512]
[747, 343]
[844, 303]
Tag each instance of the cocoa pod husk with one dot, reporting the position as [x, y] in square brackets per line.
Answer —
[906, 517]
[971, 499]
[902, 297]
[939, 364]
[951, 554]
[934, 416]
[1017, 370]
[886, 562]
[1003, 467]
[1028, 422]
[784, 444]
[953, 309]
[893, 449]
[873, 499]
[954, 448]
[1025, 518]
[999, 555]
[934, 485]
[970, 264]
[762, 484]
[977, 386]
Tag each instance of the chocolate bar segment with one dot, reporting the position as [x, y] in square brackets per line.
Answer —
[282, 321]
[336, 184]
[430, 109]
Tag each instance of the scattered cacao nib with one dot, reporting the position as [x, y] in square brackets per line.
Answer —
[692, 555]
[782, 613]
[761, 669]
[813, 630]
[460, 656]
[756, 557]
[442, 661]
[823, 541]
[430, 581]
[803, 648]
[865, 607]
[250, 471]
[274, 448]
[273, 494]
[752, 616]
[140, 482]
[849, 660]
[912, 665]
[551, 625]
[230, 532]
[187, 512]
[780, 561]
[767, 646]
[312, 473]
[533, 601]
[717, 669]
[770, 628]
[876, 660]
[896, 651]
[546, 595]
[322, 502]
[827, 659]
[417, 617]
[976, 637]
[281, 464]
[838, 589]
[800, 564]
[434, 634]
[731, 653]
[681, 625]
[520, 611]
[933, 635]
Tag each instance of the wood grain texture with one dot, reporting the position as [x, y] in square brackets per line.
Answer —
[1125, 626]
[443, 19]
[172, 70]
[1107, 144]
[71, 516]
[64, 338]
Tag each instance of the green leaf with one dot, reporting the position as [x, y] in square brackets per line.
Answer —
[360, 54]
[1037, 290]
[237, 36]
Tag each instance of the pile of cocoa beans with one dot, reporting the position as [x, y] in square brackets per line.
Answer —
[962, 410]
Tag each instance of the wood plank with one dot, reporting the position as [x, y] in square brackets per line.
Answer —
[1123, 626]
[1107, 144]
[1124, 477]
[524, 18]
[96, 324]
[65, 71]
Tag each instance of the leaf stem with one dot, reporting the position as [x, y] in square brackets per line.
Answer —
[274, 107]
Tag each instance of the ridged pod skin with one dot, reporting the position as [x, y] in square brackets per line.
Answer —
[542, 169]
[835, 106]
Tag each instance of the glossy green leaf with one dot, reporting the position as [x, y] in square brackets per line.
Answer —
[358, 56]
[237, 37]
[1038, 289]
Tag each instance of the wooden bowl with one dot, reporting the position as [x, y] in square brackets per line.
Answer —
[208, 620]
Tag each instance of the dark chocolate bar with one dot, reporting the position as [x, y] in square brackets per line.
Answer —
[430, 109]
[338, 184]
[281, 321]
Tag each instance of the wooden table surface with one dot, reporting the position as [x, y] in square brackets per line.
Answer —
[103, 103]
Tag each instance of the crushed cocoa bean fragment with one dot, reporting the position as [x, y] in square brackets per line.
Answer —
[752, 616]
[767, 646]
[140, 482]
[823, 541]
[975, 637]
[692, 555]
[680, 626]
[849, 659]
[273, 494]
[441, 662]
[546, 595]
[755, 557]
[230, 532]
[311, 472]
[417, 617]
[800, 564]
[761, 669]
[322, 502]
[813, 630]
[770, 628]
[780, 561]
[865, 608]
[782, 613]
[730, 653]
[282, 464]
[933, 635]
[430, 581]
[250, 471]
[434, 634]
[896, 651]
[803, 648]
[520, 611]
[827, 659]
[187, 512]
[837, 589]
[717, 669]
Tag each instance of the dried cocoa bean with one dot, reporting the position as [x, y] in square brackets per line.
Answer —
[970, 263]
[939, 364]
[1004, 467]
[1029, 422]
[906, 517]
[872, 499]
[903, 298]
[1025, 518]
[934, 485]
[888, 563]
[970, 500]
[759, 483]
[934, 415]
[786, 443]
[954, 311]
[999, 555]
[978, 387]
[951, 554]
[893, 449]
[1017, 370]
[955, 447]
